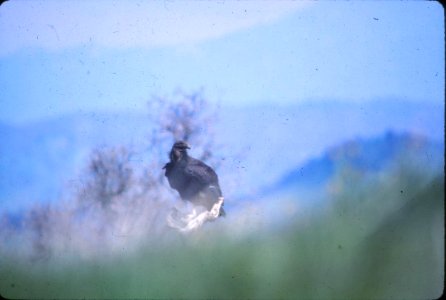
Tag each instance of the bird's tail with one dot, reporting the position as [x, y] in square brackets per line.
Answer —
[219, 205]
[216, 194]
[222, 212]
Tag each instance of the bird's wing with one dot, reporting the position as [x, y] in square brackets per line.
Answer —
[201, 172]
[168, 167]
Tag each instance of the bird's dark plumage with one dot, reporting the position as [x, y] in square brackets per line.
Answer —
[193, 179]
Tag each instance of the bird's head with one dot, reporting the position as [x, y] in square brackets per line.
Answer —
[179, 150]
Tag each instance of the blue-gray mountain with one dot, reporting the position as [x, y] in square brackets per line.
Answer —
[360, 156]
[39, 160]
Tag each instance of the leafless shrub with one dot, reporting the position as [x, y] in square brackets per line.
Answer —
[184, 116]
[118, 201]
[108, 176]
[39, 221]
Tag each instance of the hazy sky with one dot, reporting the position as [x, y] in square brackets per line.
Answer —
[69, 56]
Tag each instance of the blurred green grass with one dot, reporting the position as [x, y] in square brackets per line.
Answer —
[381, 238]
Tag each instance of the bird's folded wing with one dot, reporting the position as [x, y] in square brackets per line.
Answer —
[201, 173]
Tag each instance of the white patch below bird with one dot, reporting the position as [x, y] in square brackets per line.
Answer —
[190, 218]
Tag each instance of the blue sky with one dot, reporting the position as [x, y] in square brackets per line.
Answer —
[64, 57]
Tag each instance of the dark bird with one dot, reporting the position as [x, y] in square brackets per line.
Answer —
[193, 179]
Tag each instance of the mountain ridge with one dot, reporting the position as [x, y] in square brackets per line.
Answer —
[363, 155]
[37, 159]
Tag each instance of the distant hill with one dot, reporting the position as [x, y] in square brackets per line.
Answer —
[37, 161]
[362, 156]
[274, 139]
[258, 144]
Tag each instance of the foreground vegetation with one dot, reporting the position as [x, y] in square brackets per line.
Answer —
[372, 231]
[380, 237]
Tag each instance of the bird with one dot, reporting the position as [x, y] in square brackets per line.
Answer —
[193, 179]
